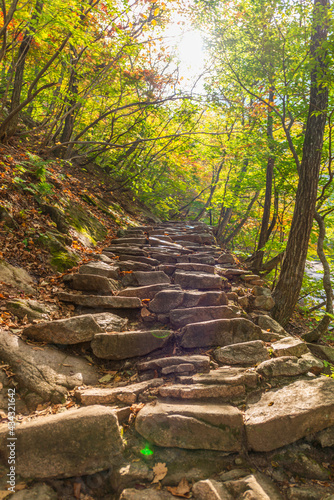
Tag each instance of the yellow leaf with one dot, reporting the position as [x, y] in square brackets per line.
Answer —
[153, 22]
[156, 12]
[160, 471]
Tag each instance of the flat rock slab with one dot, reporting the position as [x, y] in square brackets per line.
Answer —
[125, 345]
[196, 280]
[209, 489]
[202, 259]
[16, 277]
[130, 241]
[266, 322]
[93, 283]
[285, 366]
[101, 301]
[198, 426]
[129, 250]
[285, 415]
[144, 278]
[146, 292]
[100, 269]
[137, 258]
[201, 391]
[76, 329]
[219, 332]
[256, 486]
[47, 372]
[228, 376]
[200, 363]
[166, 300]
[289, 346]
[182, 317]
[108, 395]
[148, 494]
[72, 443]
[130, 265]
[188, 266]
[247, 353]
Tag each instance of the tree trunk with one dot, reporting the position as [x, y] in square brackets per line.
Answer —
[263, 238]
[20, 64]
[289, 284]
[322, 327]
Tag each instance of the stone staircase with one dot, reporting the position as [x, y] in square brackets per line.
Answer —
[216, 385]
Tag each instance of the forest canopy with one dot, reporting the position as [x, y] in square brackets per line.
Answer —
[248, 150]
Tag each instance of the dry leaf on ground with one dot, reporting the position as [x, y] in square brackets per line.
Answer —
[159, 470]
[181, 490]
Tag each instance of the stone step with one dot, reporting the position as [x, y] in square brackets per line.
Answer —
[289, 346]
[129, 240]
[147, 292]
[72, 443]
[137, 258]
[285, 415]
[197, 280]
[198, 362]
[47, 373]
[202, 391]
[166, 300]
[123, 345]
[200, 259]
[130, 265]
[289, 366]
[226, 375]
[220, 332]
[192, 426]
[92, 283]
[109, 395]
[144, 278]
[129, 250]
[164, 242]
[74, 330]
[100, 269]
[187, 266]
[247, 353]
[202, 239]
[101, 301]
[183, 317]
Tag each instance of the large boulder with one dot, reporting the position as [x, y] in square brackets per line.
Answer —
[128, 344]
[47, 372]
[246, 353]
[101, 301]
[285, 415]
[197, 280]
[219, 332]
[71, 443]
[92, 283]
[182, 317]
[197, 426]
[100, 269]
[16, 277]
[145, 278]
[74, 330]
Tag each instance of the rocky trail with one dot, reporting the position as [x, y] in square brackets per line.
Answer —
[176, 382]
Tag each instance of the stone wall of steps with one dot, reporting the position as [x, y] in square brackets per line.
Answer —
[216, 380]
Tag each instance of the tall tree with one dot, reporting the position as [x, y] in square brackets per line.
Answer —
[290, 281]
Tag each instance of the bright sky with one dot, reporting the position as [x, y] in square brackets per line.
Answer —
[188, 44]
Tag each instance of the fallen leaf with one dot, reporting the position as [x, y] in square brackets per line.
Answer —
[181, 490]
[106, 378]
[4, 494]
[160, 471]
